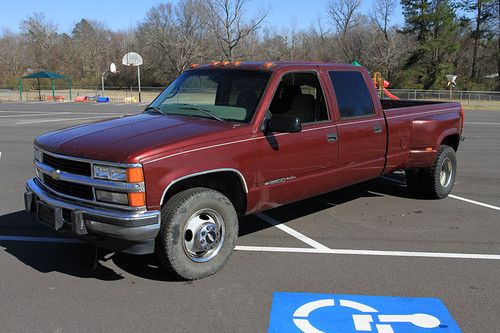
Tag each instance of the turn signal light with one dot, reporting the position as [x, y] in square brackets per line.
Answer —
[137, 199]
[135, 175]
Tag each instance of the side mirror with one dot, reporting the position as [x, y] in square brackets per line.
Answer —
[284, 123]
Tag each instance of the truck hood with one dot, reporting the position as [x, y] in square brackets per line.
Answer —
[126, 138]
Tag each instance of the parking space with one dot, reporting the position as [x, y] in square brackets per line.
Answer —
[368, 239]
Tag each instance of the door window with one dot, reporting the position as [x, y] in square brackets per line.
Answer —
[300, 94]
[353, 97]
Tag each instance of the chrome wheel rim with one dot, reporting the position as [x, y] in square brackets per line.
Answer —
[203, 235]
[446, 173]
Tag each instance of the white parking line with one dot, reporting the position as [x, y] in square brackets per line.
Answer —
[55, 120]
[55, 240]
[370, 252]
[33, 114]
[480, 123]
[24, 111]
[292, 232]
[474, 202]
[40, 239]
[450, 196]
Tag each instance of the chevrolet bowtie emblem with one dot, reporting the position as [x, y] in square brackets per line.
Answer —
[55, 174]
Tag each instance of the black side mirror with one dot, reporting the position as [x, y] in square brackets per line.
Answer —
[284, 123]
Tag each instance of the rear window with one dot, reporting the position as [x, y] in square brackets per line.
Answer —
[353, 97]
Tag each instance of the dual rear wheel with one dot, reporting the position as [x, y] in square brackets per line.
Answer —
[437, 181]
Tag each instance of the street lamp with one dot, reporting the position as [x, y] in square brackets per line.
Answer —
[112, 69]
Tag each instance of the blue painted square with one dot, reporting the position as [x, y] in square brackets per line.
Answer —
[315, 313]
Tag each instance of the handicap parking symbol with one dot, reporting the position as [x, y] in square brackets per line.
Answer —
[325, 313]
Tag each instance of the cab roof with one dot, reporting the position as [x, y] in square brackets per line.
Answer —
[270, 65]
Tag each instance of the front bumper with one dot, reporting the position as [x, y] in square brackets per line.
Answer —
[126, 231]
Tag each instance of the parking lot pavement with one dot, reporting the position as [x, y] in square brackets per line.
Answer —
[368, 239]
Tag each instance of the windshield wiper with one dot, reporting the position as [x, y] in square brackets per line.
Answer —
[153, 108]
[208, 113]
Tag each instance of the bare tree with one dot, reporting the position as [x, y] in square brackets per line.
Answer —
[228, 23]
[382, 14]
[12, 64]
[39, 35]
[190, 36]
[342, 13]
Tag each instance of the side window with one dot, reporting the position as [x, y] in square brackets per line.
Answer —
[353, 97]
[300, 94]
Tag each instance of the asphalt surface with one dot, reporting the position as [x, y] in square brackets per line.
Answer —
[59, 287]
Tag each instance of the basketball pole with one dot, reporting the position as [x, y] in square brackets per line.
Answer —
[139, 82]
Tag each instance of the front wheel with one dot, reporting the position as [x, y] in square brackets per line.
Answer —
[437, 181]
[198, 233]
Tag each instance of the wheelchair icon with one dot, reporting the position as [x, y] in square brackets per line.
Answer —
[362, 322]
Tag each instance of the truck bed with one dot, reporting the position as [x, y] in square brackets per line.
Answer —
[395, 104]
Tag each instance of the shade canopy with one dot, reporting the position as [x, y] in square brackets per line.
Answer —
[44, 75]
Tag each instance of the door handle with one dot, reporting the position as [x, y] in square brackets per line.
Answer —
[377, 129]
[331, 137]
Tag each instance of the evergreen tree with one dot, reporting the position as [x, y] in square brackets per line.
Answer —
[434, 26]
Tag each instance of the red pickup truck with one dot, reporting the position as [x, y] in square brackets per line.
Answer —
[229, 139]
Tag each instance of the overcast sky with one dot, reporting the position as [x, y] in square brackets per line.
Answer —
[124, 14]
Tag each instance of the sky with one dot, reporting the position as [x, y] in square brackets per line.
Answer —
[124, 14]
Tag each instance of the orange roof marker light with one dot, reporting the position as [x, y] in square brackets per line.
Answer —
[194, 65]
[214, 63]
[268, 65]
[225, 63]
[236, 63]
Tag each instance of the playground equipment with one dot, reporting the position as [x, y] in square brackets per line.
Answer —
[43, 75]
[380, 83]
[382, 86]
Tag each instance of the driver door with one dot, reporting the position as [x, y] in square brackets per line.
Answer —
[293, 166]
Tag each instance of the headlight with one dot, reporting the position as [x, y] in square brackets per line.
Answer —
[113, 197]
[110, 173]
[37, 155]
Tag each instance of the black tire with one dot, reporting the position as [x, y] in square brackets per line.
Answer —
[171, 247]
[437, 181]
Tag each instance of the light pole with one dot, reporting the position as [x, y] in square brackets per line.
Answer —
[112, 69]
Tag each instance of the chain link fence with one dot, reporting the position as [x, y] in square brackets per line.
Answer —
[466, 98]
[62, 93]
[490, 99]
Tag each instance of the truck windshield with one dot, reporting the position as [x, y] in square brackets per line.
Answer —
[219, 94]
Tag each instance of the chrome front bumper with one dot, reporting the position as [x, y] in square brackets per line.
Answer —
[85, 221]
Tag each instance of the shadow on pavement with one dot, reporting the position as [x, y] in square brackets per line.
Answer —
[79, 260]
[73, 259]
[374, 188]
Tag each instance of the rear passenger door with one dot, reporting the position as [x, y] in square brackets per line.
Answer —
[361, 128]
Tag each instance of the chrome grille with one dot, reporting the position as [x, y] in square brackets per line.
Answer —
[68, 188]
[71, 166]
